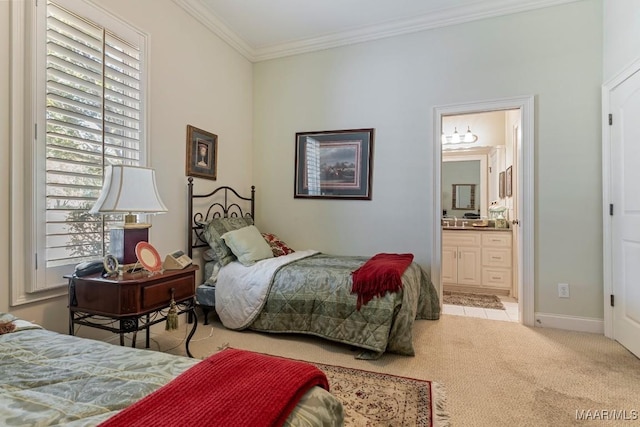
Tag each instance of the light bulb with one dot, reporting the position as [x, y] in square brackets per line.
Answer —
[455, 138]
[469, 137]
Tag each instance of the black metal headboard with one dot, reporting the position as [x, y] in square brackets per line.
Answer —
[223, 202]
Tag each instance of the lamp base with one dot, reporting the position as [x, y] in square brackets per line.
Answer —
[123, 243]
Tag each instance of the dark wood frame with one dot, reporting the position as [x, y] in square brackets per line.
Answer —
[195, 138]
[472, 197]
[508, 183]
[356, 144]
[501, 181]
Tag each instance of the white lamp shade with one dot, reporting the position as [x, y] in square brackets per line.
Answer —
[129, 189]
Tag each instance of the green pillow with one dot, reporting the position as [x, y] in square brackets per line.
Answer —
[248, 245]
[213, 232]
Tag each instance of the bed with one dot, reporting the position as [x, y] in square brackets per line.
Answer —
[48, 378]
[287, 291]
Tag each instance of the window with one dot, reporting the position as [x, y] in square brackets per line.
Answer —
[89, 113]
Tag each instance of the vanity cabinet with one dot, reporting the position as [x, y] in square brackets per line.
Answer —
[461, 258]
[496, 260]
[477, 260]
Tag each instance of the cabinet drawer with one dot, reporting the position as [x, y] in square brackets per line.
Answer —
[460, 238]
[496, 257]
[160, 294]
[502, 239]
[496, 277]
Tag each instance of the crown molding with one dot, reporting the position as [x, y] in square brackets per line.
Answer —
[206, 17]
[437, 19]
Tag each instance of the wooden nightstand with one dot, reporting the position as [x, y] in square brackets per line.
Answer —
[132, 302]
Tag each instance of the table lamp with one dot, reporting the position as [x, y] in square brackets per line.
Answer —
[128, 190]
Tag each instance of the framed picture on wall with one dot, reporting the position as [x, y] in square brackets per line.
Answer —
[507, 185]
[334, 164]
[202, 153]
[501, 185]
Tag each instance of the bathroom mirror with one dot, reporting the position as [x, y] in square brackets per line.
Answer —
[464, 170]
[463, 196]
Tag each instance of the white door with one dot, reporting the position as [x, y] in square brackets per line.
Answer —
[517, 246]
[494, 171]
[625, 222]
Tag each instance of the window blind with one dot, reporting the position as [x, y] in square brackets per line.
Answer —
[93, 119]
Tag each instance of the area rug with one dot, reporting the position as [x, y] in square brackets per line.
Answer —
[374, 399]
[472, 300]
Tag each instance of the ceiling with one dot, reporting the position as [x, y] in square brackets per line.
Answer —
[267, 29]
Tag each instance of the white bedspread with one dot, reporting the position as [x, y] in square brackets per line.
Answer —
[242, 291]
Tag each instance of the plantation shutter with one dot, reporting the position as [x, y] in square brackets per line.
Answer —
[93, 119]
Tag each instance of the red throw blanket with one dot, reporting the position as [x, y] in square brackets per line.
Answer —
[230, 388]
[379, 275]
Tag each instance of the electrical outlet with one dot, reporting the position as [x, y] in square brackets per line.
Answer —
[563, 290]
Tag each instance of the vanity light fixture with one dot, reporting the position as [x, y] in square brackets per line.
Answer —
[456, 138]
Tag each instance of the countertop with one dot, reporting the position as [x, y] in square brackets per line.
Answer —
[471, 228]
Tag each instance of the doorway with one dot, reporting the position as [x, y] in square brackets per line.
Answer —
[519, 205]
[479, 264]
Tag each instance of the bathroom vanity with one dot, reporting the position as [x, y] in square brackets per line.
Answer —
[477, 259]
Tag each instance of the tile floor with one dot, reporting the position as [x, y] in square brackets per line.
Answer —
[510, 314]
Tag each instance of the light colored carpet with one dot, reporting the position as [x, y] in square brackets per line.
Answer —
[472, 300]
[494, 373]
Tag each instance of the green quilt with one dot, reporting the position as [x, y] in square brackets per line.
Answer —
[313, 296]
[49, 379]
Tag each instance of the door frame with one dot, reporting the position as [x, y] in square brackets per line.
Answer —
[607, 248]
[525, 194]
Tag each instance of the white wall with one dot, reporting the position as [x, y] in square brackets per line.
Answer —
[621, 35]
[196, 79]
[393, 85]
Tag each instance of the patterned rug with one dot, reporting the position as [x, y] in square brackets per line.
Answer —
[472, 300]
[373, 399]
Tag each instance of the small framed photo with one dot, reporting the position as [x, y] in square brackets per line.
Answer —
[334, 164]
[501, 185]
[202, 153]
[508, 182]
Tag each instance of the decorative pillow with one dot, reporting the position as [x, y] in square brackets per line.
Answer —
[278, 247]
[213, 232]
[248, 245]
[10, 323]
[6, 327]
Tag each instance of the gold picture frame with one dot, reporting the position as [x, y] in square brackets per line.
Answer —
[202, 153]
[508, 183]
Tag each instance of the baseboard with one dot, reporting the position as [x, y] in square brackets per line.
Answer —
[570, 323]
